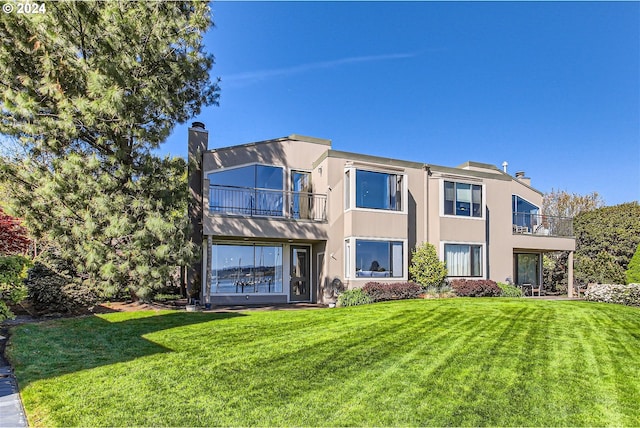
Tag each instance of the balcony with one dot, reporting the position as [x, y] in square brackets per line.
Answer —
[542, 225]
[253, 202]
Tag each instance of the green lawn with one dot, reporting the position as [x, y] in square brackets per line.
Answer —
[454, 362]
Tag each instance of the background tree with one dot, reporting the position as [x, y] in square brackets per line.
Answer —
[89, 90]
[606, 238]
[560, 203]
[426, 268]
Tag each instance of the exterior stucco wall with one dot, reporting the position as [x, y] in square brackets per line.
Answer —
[422, 218]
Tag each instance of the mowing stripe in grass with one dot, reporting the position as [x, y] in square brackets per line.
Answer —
[463, 362]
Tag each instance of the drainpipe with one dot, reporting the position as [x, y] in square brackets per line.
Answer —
[427, 171]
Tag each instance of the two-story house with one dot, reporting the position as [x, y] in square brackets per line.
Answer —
[291, 220]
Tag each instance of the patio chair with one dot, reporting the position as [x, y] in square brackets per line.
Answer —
[582, 289]
[537, 288]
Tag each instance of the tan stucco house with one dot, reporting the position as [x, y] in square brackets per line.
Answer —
[292, 220]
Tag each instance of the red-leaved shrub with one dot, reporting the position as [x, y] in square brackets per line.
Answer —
[380, 291]
[475, 288]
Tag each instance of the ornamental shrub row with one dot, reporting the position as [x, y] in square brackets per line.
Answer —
[380, 292]
[475, 288]
[614, 293]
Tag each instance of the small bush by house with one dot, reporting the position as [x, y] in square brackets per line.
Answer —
[53, 286]
[476, 288]
[508, 290]
[13, 270]
[614, 293]
[354, 297]
[426, 268]
[438, 292]
[379, 291]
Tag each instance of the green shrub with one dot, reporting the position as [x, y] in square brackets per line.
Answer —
[633, 270]
[426, 268]
[354, 297]
[5, 312]
[166, 297]
[13, 271]
[509, 290]
[54, 286]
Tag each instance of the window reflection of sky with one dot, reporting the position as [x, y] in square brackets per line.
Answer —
[253, 176]
[377, 190]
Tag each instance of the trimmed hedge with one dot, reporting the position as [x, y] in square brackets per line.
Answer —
[380, 291]
[475, 288]
[614, 293]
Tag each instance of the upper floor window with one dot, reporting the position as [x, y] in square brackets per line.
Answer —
[462, 199]
[521, 205]
[252, 176]
[378, 190]
[248, 190]
[525, 214]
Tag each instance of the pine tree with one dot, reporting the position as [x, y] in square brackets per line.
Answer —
[89, 90]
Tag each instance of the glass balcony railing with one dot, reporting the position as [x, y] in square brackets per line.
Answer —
[254, 202]
[542, 225]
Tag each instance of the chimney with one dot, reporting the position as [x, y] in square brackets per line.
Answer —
[197, 145]
[520, 177]
[505, 164]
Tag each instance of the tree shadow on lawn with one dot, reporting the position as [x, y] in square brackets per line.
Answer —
[47, 350]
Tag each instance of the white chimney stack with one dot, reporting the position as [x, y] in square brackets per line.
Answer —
[505, 164]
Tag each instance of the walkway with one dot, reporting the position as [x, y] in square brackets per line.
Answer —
[11, 410]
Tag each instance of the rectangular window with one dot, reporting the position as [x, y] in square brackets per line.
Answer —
[462, 199]
[251, 268]
[378, 190]
[379, 259]
[463, 259]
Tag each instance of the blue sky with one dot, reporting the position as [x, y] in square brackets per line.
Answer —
[553, 88]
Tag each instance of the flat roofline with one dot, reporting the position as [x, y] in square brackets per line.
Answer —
[292, 137]
[367, 158]
[479, 165]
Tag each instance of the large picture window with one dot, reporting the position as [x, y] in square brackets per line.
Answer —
[251, 268]
[462, 199]
[379, 259]
[378, 190]
[248, 190]
[463, 259]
